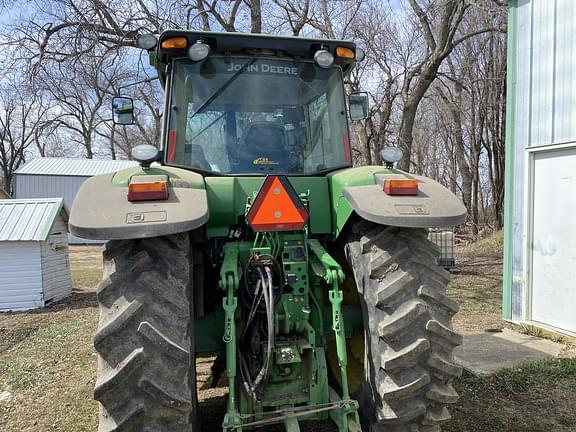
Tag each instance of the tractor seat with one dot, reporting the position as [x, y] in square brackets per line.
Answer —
[263, 148]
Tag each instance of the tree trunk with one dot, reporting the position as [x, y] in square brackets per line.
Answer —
[406, 132]
[112, 144]
[256, 16]
[88, 146]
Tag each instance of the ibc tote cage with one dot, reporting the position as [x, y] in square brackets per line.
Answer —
[444, 239]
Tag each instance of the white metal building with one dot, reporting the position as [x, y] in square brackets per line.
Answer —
[34, 266]
[61, 178]
[540, 234]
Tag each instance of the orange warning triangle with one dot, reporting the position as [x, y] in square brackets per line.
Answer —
[277, 207]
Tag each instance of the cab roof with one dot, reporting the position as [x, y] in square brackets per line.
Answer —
[251, 44]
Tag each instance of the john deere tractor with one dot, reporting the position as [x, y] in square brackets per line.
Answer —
[251, 236]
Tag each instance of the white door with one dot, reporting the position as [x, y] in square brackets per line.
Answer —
[553, 299]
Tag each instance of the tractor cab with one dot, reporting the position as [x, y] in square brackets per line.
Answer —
[245, 104]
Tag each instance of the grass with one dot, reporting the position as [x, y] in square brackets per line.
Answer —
[567, 421]
[477, 285]
[531, 330]
[18, 377]
[534, 397]
[47, 362]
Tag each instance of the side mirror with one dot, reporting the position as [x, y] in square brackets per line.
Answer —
[122, 110]
[358, 105]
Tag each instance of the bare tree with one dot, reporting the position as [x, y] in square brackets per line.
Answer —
[374, 29]
[80, 93]
[469, 111]
[21, 113]
[440, 25]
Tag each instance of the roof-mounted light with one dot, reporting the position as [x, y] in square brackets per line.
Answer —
[199, 51]
[345, 53]
[323, 58]
[175, 43]
[147, 41]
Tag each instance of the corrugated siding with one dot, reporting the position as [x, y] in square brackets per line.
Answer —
[23, 220]
[36, 186]
[44, 186]
[545, 101]
[565, 72]
[523, 133]
[20, 276]
[73, 167]
[56, 278]
[546, 58]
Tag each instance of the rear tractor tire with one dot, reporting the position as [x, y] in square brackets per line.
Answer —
[408, 362]
[146, 371]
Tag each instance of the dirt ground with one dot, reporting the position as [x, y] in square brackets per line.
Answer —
[47, 362]
[477, 285]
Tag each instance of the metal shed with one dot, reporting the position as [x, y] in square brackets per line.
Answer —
[539, 245]
[34, 267]
[61, 178]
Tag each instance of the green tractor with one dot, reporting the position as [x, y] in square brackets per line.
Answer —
[251, 235]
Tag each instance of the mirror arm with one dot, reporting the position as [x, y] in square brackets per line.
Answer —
[147, 80]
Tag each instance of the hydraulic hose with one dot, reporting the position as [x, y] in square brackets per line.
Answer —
[267, 290]
[254, 308]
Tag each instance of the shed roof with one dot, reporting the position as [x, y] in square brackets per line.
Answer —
[28, 219]
[73, 167]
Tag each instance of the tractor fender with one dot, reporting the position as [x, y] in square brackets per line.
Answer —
[434, 206]
[101, 210]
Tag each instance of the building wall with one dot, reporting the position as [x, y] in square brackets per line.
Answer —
[56, 278]
[542, 116]
[51, 186]
[20, 276]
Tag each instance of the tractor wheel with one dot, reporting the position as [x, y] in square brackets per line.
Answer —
[146, 378]
[408, 336]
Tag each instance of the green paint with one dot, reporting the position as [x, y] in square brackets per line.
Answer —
[509, 159]
[229, 281]
[332, 270]
[227, 198]
[352, 316]
[178, 177]
[299, 375]
[291, 424]
[359, 176]
[208, 332]
[152, 59]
